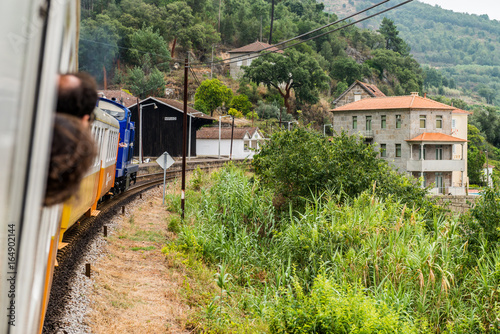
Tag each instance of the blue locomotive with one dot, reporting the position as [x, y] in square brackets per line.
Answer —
[126, 172]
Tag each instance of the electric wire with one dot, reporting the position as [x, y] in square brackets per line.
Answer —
[304, 34]
[311, 38]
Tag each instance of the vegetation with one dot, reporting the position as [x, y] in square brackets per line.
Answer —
[210, 95]
[287, 72]
[363, 264]
[299, 164]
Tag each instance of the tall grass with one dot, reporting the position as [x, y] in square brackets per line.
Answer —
[380, 248]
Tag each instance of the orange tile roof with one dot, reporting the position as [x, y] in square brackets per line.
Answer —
[436, 137]
[397, 102]
[255, 47]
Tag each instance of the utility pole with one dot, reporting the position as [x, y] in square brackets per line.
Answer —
[232, 134]
[184, 135]
[272, 19]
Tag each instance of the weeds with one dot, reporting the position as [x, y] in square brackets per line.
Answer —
[374, 258]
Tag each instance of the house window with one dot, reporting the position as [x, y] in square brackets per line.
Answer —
[357, 97]
[383, 121]
[398, 150]
[439, 122]
[439, 152]
[398, 121]
[246, 146]
[368, 123]
[383, 150]
[354, 122]
[422, 121]
[453, 123]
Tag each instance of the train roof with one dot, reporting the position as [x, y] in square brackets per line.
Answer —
[105, 118]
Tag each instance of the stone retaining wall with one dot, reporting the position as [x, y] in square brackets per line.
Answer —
[457, 204]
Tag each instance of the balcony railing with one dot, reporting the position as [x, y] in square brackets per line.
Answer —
[368, 133]
[435, 165]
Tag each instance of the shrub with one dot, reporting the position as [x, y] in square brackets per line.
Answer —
[333, 309]
[300, 164]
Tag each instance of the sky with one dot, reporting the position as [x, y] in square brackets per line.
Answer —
[490, 7]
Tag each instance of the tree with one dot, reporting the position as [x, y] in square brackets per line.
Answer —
[289, 71]
[210, 95]
[392, 41]
[99, 45]
[241, 103]
[475, 158]
[142, 84]
[146, 40]
[300, 164]
[346, 69]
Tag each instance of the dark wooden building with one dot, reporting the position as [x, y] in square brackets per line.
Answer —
[162, 126]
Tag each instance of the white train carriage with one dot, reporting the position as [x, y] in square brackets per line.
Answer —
[100, 177]
[39, 39]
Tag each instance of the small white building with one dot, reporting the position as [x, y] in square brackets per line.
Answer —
[488, 175]
[243, 56]
[246, 142]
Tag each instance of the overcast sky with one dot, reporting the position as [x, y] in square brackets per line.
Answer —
[490, 7]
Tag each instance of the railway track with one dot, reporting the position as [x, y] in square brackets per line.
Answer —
[81, 234]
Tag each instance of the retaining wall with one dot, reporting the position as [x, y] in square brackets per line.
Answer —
[457, 204]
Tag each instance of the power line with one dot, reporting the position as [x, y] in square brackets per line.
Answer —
[305, 34]
[125, 48]
[314, 37]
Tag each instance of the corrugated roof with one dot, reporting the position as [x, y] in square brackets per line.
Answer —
[436, 137]
[179, 106]
[213, 132]
[397, 102]
[121, 97]
[255, 47]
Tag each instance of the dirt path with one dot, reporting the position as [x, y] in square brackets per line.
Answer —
[135, 290]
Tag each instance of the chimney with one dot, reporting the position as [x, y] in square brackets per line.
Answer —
[414, 93]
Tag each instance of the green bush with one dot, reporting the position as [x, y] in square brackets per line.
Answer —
[301, 164]
[330, 308]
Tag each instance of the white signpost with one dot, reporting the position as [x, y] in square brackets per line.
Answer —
[165, 161]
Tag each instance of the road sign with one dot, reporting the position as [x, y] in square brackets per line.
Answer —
[165, 160]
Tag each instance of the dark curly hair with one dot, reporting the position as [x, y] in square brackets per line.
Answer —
[77, 100]
[72, 153]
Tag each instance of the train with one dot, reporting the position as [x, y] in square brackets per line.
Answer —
[40, 40]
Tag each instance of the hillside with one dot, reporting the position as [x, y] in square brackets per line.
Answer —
[465, 47]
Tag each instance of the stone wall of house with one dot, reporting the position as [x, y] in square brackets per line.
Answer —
[390, 136]
[350, 96]
[457, 204]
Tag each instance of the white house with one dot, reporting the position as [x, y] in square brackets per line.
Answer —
[487, 174]
[245, 141]
[243, 56]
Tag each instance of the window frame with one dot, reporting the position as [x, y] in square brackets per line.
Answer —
[383, 150]
[368, 123]
[383, 121]
[439, 119]
[398, 150]
[399, 121]
[354, 122]
[424, 119]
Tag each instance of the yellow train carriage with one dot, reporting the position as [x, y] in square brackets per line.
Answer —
[100, 177]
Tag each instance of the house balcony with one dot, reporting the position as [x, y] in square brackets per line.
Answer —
[368, 133]
[435, 165]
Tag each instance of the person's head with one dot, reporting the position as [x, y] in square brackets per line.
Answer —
[77, 95]
[72, 153]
